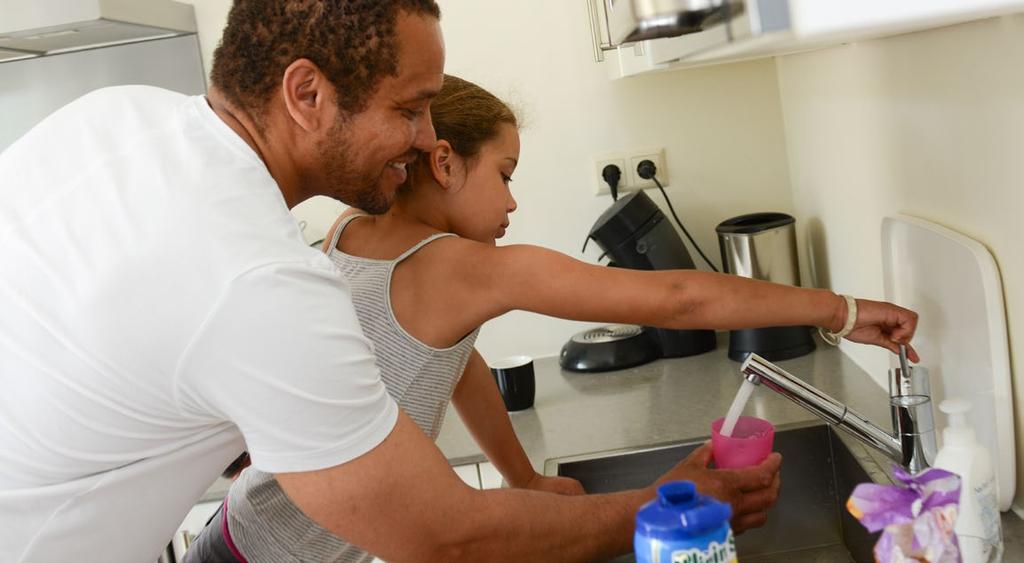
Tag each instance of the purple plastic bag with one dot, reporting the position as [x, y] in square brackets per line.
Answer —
[916, 515]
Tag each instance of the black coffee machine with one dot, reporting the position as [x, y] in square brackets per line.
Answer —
[634, 233]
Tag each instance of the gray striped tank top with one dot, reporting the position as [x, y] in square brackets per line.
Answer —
[264, 523]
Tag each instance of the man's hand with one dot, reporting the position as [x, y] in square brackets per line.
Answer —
[558, 485]
[750, 491]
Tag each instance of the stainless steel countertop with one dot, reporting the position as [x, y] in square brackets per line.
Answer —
[662, 402]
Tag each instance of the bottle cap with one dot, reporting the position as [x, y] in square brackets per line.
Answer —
[679, 511]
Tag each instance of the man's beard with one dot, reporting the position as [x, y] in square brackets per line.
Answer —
[359, 189]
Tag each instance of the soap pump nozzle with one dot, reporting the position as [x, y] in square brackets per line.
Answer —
[958, 432]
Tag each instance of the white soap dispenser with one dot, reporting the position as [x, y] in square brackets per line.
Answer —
[978, 528]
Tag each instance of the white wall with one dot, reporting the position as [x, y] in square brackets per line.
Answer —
[211, 15]
[32, 89]
[930, 124]
[721, 128]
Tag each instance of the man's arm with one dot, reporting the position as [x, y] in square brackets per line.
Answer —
[402, 502]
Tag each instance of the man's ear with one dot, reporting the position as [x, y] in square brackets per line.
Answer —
[308, 95]
[442, 163]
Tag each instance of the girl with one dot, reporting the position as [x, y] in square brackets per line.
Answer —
[425, 276]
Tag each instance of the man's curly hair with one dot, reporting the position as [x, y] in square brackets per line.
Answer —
[352, 41]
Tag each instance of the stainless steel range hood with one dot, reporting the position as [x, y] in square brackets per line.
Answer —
[637, 20]
[32, 28]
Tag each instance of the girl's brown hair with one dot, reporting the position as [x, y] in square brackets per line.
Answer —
[467, 116]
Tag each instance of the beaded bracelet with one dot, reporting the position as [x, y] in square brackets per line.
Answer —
[833, 338]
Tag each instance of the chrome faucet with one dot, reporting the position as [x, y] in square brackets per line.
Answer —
[912, 442]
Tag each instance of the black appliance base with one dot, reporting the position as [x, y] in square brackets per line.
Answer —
[773, 343]
[683, 343]
[592, 351]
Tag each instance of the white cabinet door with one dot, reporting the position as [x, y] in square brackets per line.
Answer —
[767, 28]
[194, 523]
[469, 474]
[884, 17]
[630, 60]
[619, 60]
[490, 478]
[196, 519]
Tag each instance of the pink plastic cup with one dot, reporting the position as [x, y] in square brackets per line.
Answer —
[750, 443]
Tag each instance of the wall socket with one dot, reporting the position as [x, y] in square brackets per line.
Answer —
[600, 163]
[627, 161]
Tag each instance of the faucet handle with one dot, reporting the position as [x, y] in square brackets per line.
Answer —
[913, 381]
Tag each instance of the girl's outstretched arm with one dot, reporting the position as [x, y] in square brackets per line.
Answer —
[537, 279]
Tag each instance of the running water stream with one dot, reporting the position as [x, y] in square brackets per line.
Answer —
[736, 408]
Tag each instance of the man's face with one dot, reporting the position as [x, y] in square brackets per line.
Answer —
[364, 155]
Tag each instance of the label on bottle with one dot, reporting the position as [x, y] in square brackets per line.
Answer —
[979, 536]
[989, 509]
[724, 552]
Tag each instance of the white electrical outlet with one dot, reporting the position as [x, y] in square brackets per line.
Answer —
[600, 163]
[627, 162]
[655, 155]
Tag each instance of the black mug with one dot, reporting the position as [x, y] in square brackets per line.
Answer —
[514, 376]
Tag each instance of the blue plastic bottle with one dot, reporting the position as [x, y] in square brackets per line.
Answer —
[681, 526]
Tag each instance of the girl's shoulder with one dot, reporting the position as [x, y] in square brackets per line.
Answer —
[442, 252]
[373, 237]
[384, 238]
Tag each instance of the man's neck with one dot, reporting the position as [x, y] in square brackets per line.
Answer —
[242, 123]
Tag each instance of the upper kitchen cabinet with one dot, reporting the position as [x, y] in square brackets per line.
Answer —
[33, 28]
[621, 58]
[638, 36]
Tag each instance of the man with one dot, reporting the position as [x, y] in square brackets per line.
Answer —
[161, 311]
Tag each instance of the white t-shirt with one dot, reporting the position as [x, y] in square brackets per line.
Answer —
[158, 306]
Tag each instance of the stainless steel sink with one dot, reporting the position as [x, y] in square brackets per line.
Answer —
[808, 524]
